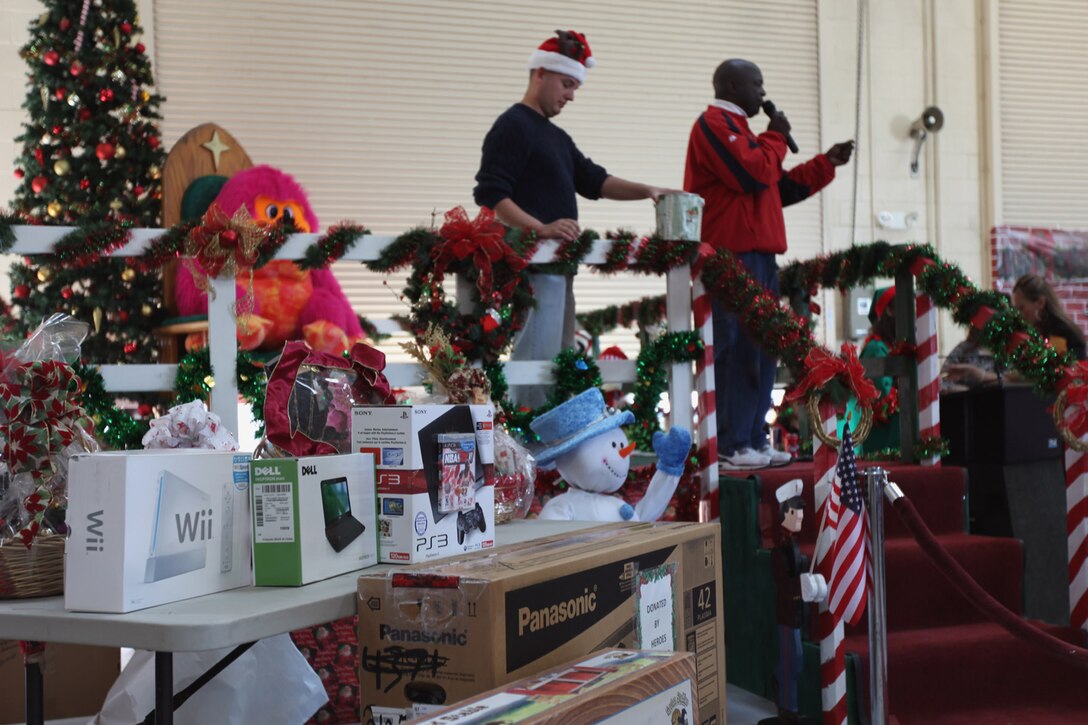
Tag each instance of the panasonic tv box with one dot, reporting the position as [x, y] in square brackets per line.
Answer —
[152, 527]
[313, 518]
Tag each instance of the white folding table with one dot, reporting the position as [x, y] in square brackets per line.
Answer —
[237, 618]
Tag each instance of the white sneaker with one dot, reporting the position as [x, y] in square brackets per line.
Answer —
[744, 459]
[778, 458]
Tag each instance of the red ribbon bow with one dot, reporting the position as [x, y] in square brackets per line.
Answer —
[822, 367]
[481, 238]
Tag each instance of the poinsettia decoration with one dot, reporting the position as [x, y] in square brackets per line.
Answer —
[39, 403]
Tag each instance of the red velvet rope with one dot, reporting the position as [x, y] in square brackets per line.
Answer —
[979, 597]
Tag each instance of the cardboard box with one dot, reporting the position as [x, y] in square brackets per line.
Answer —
[313, 518]
[613, 686]
[430, 508]
[75, 680]
[437, 634]
[151, 527]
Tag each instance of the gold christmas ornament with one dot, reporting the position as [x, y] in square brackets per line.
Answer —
[209, 381]
[146, 310]
[61, 167]
[145, 96]
[154, 172]
[97, 317]
[119, 152]
[128, 274]
[116, 204]
[54, 209]
[44, 274]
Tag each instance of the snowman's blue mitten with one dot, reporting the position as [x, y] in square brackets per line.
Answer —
[627, 511]
[672, 450]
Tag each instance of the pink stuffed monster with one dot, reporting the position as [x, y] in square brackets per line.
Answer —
[290, 303]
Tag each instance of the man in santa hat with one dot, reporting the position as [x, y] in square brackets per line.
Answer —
[530, 172]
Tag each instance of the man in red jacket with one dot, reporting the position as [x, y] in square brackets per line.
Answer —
[740, 176]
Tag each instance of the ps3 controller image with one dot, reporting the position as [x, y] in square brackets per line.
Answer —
[467, 520]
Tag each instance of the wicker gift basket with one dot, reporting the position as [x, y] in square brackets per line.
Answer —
[42, 423]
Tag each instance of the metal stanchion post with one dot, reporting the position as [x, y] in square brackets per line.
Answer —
[877, 479]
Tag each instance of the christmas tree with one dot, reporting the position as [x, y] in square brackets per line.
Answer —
[91, 152]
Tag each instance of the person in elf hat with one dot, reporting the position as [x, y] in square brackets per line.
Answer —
[740, 176]
[885, 432]
[530, 173]
[793, 587]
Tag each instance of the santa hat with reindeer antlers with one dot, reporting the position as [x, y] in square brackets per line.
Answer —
[567, 53]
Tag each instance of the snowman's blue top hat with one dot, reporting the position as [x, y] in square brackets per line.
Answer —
[570, 424]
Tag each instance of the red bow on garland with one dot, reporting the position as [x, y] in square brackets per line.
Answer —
[481, 238]
[1074, 384]
[223, 244]
[822, 367]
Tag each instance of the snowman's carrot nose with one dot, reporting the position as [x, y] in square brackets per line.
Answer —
[627, 450]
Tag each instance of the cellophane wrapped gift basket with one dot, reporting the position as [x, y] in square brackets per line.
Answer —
[42, 424]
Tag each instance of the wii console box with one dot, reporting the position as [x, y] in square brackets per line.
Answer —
[153, 527]
[434, 634]
[313, 518]
[436, 477]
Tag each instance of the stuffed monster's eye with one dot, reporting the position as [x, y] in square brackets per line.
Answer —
[289, 215]
[271, 212]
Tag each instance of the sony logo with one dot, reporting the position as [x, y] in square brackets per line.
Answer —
[96, 539]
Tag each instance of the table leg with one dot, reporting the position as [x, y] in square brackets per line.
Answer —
[35, 708]
[164, 688]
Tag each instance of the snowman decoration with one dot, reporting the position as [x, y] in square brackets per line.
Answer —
[583, 440]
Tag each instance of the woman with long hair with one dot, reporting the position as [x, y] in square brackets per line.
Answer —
[1034, 298]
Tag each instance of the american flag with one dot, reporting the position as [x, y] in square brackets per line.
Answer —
[848, 585]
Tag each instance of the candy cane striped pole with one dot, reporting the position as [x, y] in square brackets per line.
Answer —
[1076, 506]
[704, 384]
[929, 372]
[829, 630]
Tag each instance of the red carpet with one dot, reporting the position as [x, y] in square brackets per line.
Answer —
[946, 665]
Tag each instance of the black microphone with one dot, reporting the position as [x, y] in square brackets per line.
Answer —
[770, 110]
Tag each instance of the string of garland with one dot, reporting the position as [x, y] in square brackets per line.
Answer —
[115, 427]
[275, 237]
[194, 381]
[1014, 342]
[652, 377]
[570, 254]
[645, 312]
[777, 329]
[88, 244]
[619, 252]
[332, 245]
[165, 247]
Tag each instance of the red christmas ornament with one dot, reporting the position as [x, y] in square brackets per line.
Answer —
[66, 293]
[229, 238]
[104, 151]
[105, 95]
[122, 315]
[60, 93]
[153, 142]
[144, 410]
[76, 68]
[64, 24]
[38, 184]
[21, 292]
[19, 173]
[39, 156]
[84, 114]
[84, 184]
[58, 130]
[137, 190]
[130, 347]
[126, 28]
[50, 57]
[139, 47]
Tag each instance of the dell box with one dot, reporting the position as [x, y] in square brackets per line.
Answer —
[435, 634]
[152, 527]
[610, 687]
[313, 518]
[436, 477]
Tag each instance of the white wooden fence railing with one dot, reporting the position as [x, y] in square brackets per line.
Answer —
[222, 339]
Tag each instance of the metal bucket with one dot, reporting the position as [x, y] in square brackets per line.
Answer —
[680, 217]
